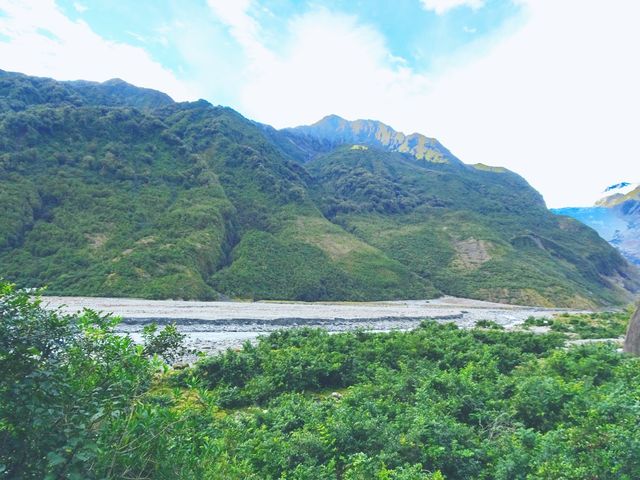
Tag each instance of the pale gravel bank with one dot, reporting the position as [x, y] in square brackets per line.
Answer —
[214, 326]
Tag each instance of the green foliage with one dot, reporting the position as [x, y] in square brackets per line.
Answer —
[489, 324]
[434, 403]
[162, 203]
[377, 181]
[62, 377]
[18, 92]
[266, 266]
[472, 233]
[77, 401]
[167, 343]
[278, 365]
[586, 325]
[108, 218]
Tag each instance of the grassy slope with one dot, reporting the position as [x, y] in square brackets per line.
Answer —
[286, 248]
[428, 217]
[116, 209]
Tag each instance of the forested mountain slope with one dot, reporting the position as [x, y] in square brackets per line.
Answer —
[108, 189]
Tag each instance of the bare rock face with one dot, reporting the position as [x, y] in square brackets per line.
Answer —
[471, 253]
[632, 340]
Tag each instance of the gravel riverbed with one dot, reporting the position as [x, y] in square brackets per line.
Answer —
[215, 326]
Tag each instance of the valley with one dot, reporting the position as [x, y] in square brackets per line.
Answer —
[214, 326]
[318, 240]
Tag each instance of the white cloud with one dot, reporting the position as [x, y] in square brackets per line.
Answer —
[443, 6]
[43, 41]
[243, 27]
[80, 8]
[332, 64]
[557, 101]
[554, 98]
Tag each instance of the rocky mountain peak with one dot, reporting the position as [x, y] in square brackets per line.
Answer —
[619, 193]
[338, 131]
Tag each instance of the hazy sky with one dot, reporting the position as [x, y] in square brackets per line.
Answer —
[547, 88]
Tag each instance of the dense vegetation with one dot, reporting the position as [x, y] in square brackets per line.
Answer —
[586, 325]
[64, 379]
[78, 401]
[472, 233]
[107, 189]
[167, 202]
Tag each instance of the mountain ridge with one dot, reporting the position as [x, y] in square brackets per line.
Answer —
[19, 91]
[338, 131]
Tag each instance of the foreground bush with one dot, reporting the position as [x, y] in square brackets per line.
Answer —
[78, 401]
[64, 377]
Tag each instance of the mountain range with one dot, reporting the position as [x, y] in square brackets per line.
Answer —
[114, 190]
[616, 217]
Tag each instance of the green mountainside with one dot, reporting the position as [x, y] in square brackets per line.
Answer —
[108, 189]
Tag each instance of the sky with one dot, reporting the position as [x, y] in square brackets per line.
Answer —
[547, 88]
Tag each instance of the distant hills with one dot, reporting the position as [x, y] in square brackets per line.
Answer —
[110, 189]
[616, 217]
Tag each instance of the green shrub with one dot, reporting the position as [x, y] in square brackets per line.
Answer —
[62, 377]
[435, 403]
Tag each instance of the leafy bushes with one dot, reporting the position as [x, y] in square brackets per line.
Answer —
[586, 325]
[436, 401]
[62, 376]
[300, 360]
[65, 378]
[77, 401]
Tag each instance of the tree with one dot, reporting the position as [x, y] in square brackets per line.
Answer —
[63, 376]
